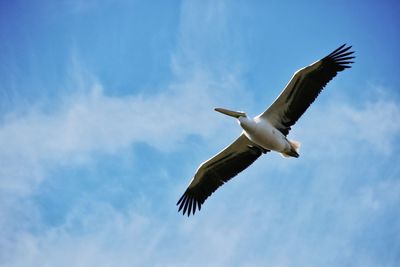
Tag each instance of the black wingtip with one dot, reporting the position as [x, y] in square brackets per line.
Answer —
[341, 57]
[190, 206]
[182, 203]
[337, 49]
[180, 200]
[341, 51]
[188, 203]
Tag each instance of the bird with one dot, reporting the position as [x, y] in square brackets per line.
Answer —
[266, 132]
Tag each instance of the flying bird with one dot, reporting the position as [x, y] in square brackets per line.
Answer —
[265, 132]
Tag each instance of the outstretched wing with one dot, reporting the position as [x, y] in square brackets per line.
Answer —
[304, 87]
[216, 171]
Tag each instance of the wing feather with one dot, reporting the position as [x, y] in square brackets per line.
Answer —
[304, 87]
[217, 171]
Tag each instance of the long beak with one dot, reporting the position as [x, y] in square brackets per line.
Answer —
[235, 114]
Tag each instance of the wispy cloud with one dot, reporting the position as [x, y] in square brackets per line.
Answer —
[371, 125]
[92, 122]
[105, 235]
[80, 126]
[330, 215]
[89, 123]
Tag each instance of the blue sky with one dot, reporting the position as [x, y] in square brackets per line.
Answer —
[106, 111]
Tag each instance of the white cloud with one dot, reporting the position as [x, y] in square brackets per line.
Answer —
[91, 122]
[270, 226]
[376, 124]
[372, 126]
[82, 125]
[95, 234]
[257, 234]
[94, 122]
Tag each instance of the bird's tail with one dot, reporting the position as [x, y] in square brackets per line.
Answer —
[294, 149]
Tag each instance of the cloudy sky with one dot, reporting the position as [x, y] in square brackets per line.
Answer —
[106, 110]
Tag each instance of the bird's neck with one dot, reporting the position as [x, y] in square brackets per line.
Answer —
[246, 123]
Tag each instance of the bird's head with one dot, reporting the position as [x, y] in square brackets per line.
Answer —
[235, 114]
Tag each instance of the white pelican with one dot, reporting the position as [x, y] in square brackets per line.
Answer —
[267, 131]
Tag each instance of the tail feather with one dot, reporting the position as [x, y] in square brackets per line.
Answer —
[295, 145]
[294, 149]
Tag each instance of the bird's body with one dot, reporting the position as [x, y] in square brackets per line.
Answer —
[267, 131]
[261, 132]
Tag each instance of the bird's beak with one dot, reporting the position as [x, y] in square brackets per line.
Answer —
[235, 114]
